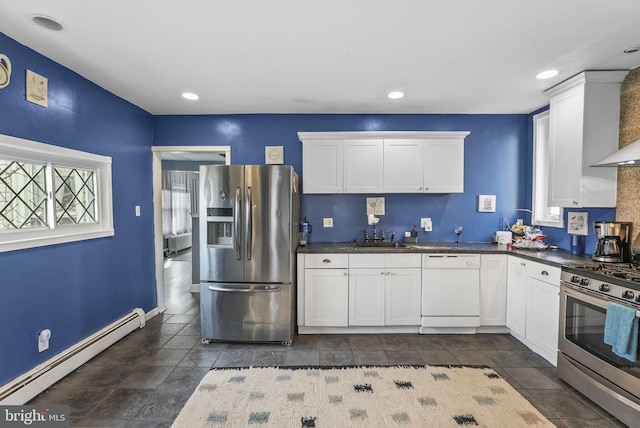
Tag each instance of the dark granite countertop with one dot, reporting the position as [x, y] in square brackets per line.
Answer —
[551, 257]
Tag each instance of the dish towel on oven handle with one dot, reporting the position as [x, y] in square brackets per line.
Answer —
[621, 330]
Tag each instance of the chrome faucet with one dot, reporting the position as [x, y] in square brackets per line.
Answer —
[375, 237]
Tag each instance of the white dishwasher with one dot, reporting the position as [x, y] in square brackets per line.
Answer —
[450, 293]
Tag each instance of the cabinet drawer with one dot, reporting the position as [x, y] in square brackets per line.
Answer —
[543, 272]
[326, 261]
[366, 261]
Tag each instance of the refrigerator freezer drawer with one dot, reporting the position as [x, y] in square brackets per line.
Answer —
[246, 312]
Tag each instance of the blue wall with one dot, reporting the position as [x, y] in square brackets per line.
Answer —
[75, 289]
[495, 164]
[498, 161]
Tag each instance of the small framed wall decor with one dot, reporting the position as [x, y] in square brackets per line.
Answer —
[578, 223]
[274, 155]
[487, 203]
[37, 87]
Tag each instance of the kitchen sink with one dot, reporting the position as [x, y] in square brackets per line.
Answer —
[385, 244]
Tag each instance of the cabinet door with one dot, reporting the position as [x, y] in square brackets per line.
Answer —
[493, 290]
[366, 296]
[326, 297]
[543, 307]
[363, 166]
[444, 166]
[403, 293]
[403, 165]
[323, 166]
[565, 147]
[516, 296]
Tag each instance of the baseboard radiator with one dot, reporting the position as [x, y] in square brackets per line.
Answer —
[179, 242]
[24, 388]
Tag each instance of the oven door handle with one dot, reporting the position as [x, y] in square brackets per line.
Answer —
[584, 297]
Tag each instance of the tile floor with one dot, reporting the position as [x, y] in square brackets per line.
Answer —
[145, 379]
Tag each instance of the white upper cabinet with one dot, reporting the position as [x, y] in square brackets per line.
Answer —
[362, 166]
[403, 165]
[583, 129]
[323, 166]
[383, 162]
[444, 166]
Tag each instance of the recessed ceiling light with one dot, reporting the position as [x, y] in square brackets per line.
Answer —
[47, 22]
[394, 95]
[190, 96]
[547, 74]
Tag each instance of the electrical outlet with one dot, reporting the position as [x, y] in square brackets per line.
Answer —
[43, 340]
[327, 222]
[426, 224]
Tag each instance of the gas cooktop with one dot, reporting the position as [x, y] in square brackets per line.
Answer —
[624, 271]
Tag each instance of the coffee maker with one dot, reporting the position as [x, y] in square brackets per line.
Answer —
[613, 241]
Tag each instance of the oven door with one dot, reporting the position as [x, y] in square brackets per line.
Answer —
[581, 337]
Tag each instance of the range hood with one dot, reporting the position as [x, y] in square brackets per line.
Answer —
[626, 156]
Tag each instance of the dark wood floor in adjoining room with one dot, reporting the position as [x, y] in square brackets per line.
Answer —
[145, 379]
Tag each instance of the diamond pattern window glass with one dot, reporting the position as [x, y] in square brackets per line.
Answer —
[51, 194]
[23, 195]
[75, 195]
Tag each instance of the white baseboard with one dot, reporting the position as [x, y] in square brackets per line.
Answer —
[22, 389]
[357, 330]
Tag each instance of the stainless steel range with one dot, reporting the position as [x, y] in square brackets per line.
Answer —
[584, 360]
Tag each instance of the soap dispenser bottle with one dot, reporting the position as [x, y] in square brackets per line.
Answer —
[414, 235]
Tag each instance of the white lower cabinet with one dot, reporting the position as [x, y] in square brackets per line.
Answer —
[543, 307]
[402, 296]
[364, 292]
[493, 290]
[384, 289]
[326, 290]
[533, 303]
[366, 296]
[516, 295]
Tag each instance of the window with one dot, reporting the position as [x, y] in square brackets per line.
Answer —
[51, 195]
[543, 214]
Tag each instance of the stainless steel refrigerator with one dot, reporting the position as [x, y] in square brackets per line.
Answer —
[249, 219]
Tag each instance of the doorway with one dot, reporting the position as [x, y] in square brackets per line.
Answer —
[191, 155]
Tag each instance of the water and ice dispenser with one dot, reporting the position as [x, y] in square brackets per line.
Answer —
[220, 227]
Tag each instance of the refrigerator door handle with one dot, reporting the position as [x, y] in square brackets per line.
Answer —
[249, 222]
[250, 289]
[236, 222]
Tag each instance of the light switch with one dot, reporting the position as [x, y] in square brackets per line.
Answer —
[137, 210]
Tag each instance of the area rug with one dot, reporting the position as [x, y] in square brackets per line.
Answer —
[404, 396]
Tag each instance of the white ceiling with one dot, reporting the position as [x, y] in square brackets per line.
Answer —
[330, 56]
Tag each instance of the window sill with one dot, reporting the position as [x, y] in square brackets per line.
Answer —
[53, 239]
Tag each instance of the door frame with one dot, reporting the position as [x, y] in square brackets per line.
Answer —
[157, 206]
